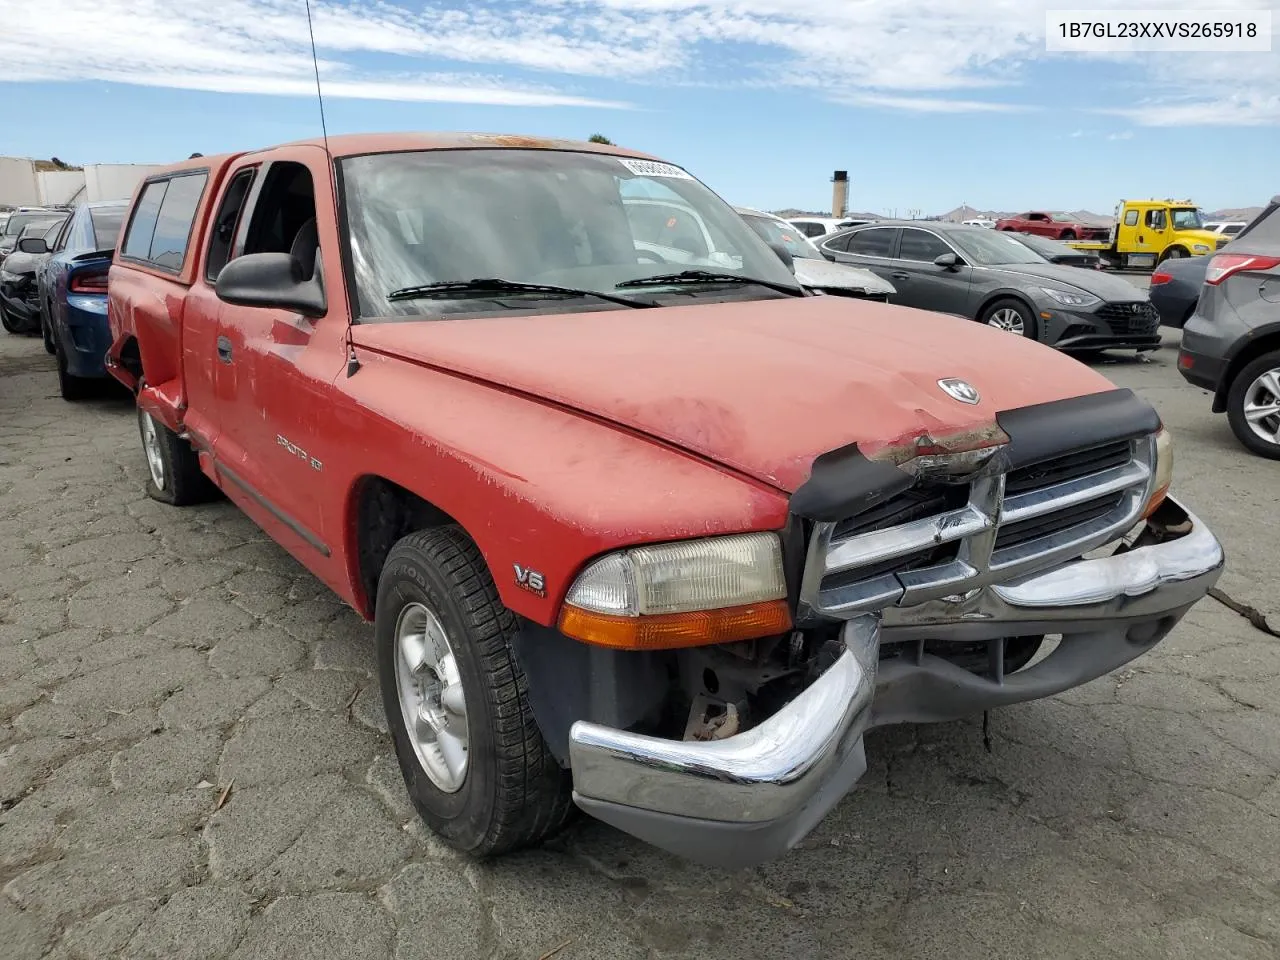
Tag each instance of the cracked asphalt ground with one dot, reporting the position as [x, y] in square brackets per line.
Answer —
[151, 657]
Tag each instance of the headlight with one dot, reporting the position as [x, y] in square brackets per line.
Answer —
[691, 593]
[7, 277]
[1200, 247]
[1162, 470]
[1069, 299]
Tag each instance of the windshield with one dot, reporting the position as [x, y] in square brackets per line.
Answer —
[783, 234]
[1186, 218]
[582, 220]
[987, 248]
[1062, 217]
[20, 220]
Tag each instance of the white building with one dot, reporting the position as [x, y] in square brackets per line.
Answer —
[21, 184]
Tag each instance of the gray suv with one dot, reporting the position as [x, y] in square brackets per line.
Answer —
[1231, 344]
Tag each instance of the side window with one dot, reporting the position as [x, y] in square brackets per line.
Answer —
[1131, 218]
[813, 230]
[872, 243]
[840, 243]
[1038, 217]
[137, 242]
[284, 216]
[1155, 219]
[922, 246]
[223, 233]
[59, 241]
[173, 224]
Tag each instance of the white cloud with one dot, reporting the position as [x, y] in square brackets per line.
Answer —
[917, 55]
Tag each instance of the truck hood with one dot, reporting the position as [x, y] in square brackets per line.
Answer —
[761, 387]
[825, 275]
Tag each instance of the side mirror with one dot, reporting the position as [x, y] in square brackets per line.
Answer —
[271, 280]
[784, 255]
[33, 245]
[948, 260]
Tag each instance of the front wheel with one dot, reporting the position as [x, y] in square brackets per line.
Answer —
[1011, 316]
[1173, 253]
[46, 335]
[1067, 235]
[9, 323]
[473, 758]
[1253, 406]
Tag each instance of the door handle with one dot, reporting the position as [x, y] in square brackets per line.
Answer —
[900, 276]
[224, 349]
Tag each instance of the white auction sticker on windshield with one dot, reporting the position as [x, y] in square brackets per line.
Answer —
[651, 168]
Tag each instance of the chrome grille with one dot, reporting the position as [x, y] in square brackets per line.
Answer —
[937, 539]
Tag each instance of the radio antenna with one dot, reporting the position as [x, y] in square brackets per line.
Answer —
[353, 362]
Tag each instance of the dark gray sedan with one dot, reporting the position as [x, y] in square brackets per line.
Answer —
[993, 279]
[1175, 288]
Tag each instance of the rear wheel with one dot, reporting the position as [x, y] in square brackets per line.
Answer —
[457, 704]
[174, 470]
[1253, 406]
[71, 387]
[1011, 316]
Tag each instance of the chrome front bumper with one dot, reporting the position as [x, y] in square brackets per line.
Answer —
[748, 798]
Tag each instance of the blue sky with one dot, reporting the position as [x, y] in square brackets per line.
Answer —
[927, 103]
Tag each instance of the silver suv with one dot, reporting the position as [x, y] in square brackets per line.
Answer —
[1231, 344]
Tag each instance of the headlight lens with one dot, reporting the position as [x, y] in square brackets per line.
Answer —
[1070, 298]
[1163, 469]
[1200, 247]
[7, 277]
[713, 590]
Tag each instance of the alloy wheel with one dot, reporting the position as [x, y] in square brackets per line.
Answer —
[1009, 320]
[1262, 406]
[432, 701]
[151, 444]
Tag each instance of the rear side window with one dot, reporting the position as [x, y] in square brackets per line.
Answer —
[872, 243]
[173, 225]
[1131, 218]
[1262, 234]
[137, 242]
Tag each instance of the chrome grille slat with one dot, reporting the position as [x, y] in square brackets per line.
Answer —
[1059, 496]
[1118, 490]
[870, 548]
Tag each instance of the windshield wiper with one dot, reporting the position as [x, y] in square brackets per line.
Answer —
[706, 276]
[481, 286]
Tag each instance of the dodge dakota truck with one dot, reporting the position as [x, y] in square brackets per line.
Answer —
[660, 542]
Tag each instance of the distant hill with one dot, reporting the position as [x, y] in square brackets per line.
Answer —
[1235, 213]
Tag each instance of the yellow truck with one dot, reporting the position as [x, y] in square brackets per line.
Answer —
[1148, 232]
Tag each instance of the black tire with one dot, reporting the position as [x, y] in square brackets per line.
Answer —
[1173, 253]
[72, 388]
[1030, 324]
[1067, 235]
[513, 793]
[182, 482]
[46, 335]
[1236, 397]
[10, 325]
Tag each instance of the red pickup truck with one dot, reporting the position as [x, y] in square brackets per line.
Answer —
[1055, 226]
[642, 530]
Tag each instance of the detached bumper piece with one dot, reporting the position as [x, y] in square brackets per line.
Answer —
[749, 798]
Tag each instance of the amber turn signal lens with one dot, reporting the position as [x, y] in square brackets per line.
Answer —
[1153, 504]
[667, 631]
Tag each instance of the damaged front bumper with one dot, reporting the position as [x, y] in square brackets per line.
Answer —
[750, 797]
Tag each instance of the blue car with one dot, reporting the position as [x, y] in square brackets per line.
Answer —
[73, 293]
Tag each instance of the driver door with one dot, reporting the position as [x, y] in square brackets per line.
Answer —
[921, 282]
[272, 367]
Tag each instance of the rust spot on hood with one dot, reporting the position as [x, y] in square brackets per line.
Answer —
[928, 444]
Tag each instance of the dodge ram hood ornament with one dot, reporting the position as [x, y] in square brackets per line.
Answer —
[961, 390]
